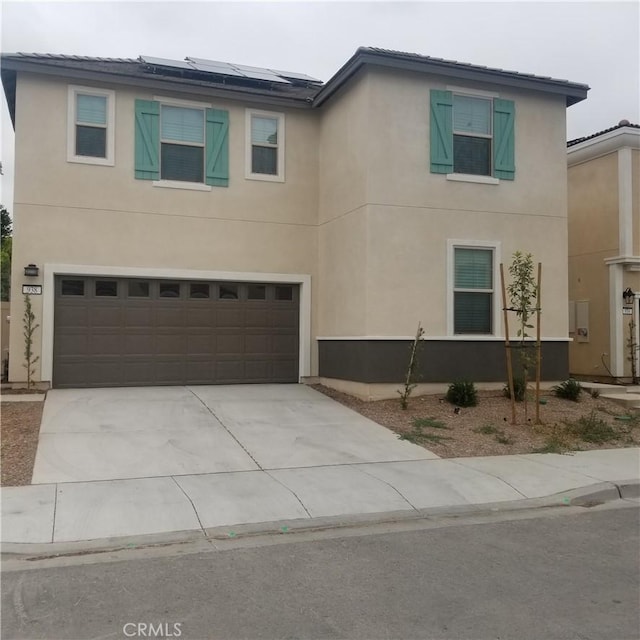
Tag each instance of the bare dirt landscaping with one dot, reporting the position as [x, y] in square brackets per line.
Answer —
[486, 429]
[19, 441]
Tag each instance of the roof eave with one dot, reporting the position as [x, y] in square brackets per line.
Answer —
[604, 144]
[153, 82]
[573, 92]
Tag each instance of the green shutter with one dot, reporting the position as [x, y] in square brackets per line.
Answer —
[147, 140]
[217, 148]
[504, 115]
[441, 131]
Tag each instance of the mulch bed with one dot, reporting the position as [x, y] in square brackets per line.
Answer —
[20, 426]
[486, 429]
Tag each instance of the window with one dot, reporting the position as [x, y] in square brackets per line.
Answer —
[256, 292]
[169, 290]
[181, 144]
[284, 292]
[265, 145]
[106, 288]
[72, 288]
[473, 290]
[138, 289]
[472, 137]
[198, 290]
[228, 292]
[91, 124]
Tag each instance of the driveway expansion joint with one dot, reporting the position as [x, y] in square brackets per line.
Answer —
[290, 490]
[224, 426]
[493, 475]
[192, 505]
[391, 486]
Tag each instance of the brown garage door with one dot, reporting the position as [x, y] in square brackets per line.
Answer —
[133, 332]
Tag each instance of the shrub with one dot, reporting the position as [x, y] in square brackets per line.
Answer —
[519, 389]
[569, 390]
[462, 393]
[595, 393]
[591, 428]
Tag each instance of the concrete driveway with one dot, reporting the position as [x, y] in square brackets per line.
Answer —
[111, 434]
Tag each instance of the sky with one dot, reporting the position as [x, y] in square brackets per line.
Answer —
[596, 43]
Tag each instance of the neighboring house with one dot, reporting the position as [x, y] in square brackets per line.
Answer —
[200, 222]
[604, 252]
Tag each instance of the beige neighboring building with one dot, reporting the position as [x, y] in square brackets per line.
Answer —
[604, 252]
[198, 222]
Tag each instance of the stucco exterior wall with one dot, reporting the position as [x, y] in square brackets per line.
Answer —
[410, 214]
[593, 237]
[70, 213]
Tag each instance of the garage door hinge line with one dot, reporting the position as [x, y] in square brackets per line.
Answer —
[224, 426]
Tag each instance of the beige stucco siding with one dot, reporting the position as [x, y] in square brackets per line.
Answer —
[635, 201]
[71, 213]
[399, 158]
[414, 285]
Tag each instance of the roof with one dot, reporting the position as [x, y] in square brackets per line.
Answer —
[572, 91]
[620, 125]
[257, 84]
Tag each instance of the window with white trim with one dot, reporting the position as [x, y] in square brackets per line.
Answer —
[472, 135]
[473, 290]
[181, 143]
[264, 145]
[91, 125]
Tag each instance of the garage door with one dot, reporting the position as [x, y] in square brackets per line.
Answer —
[133, 332]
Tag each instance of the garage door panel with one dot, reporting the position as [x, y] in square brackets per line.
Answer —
[200, 344]
[171, 344]
[257, 344]
[138, 316]
[141, 338]
[104, 316]
[104, 344]
[137, 344]
[71, 344]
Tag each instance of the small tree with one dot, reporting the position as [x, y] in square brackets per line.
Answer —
[5, 254]
[29, 329]
[409, 382]
[522, 294]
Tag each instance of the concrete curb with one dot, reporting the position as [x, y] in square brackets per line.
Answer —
[586, 497]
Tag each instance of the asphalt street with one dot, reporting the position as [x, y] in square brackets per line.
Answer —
[564, 574]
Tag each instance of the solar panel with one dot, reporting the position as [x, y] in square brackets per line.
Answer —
[164, 62]
[211, 66]
[295, 76]
[258, 73]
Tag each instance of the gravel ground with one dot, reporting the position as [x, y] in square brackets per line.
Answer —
[19, 436]
[485, 430]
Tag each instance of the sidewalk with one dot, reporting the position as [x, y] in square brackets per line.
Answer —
[85, 511]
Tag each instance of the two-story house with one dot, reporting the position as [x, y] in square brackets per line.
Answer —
[604, 253]
[200, 222]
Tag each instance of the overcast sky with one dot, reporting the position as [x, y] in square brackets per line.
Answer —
[597, 43]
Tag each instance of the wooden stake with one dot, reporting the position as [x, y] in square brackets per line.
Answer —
[507, 346]
[538, 345]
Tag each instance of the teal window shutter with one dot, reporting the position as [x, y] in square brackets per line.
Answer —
[441, 131]
[504, 115]
[217, 148]
[147, 140]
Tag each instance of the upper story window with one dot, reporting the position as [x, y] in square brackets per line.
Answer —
[91, 125]
[181, 144]
[264, 145]
[472, 137]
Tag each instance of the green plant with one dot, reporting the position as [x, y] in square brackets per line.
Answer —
[429, 423]
[519, 389]
[462, 393]
[409, 381]
[595, 393]
[30, 327]
[553, 444]
[593, 429]
[502, 438]
[417, 434]
[523, 292]
[633, 350]
[568, 390]
[487, 429]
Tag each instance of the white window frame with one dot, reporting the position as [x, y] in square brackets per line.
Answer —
[484, 95]
[249, 175]
[496, 247]
[72, 103]
[182, 184]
